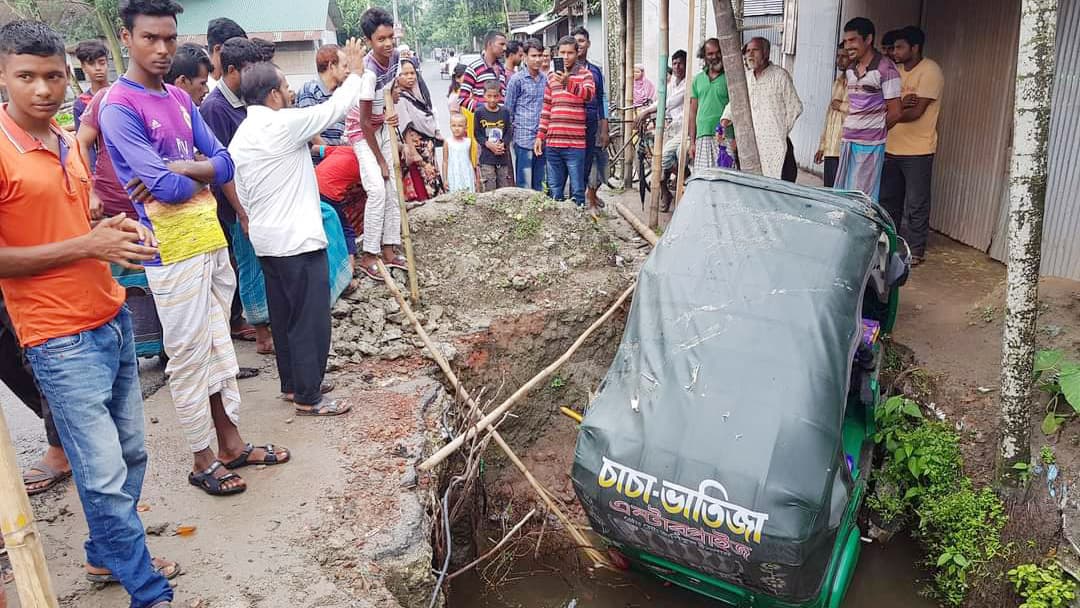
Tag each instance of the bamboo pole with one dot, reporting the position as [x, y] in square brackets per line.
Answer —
[474, 409]
[497, 546]
[628, 93]
[684, 151]
[19, 529]
[643, 230]
[498, 412]
[406, 238]
[658, 143]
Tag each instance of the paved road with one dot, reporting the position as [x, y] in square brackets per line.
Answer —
[439, 88]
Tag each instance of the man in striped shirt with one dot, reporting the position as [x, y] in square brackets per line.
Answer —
[561, 136]
[873, 84]
[479, 72]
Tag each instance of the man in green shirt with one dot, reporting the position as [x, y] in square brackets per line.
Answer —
[708, 100]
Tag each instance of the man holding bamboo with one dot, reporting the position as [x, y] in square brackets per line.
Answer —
[69, 312]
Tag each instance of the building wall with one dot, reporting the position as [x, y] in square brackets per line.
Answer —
[813, 72]
[886, 15]
[679, 20]
[297, 61]
[974, 41]
[1061, 247]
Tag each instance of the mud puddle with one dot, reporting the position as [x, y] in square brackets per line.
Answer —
[887, 577]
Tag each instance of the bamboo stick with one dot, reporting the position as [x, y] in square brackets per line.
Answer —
[661, 114]
[498, 412]
[497, 546]
[684, 152]
[643, 230]
[474, 409]
[20, 531]
[406, 237]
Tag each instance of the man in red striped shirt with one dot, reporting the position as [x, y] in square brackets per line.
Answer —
[561, 137]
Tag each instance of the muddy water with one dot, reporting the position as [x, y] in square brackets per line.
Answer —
[887, 577]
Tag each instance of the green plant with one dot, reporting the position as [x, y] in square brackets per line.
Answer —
[1023, 470]
[962, 532]
[1047, 456]
[1042, 586]
[1060, 379]
[558, 382]
[895, 415]
[988, 314]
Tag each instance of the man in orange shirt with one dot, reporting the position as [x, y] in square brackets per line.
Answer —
[69, 312]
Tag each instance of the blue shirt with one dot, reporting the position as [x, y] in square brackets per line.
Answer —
[596, 109]
[314, 93]
[525, 100]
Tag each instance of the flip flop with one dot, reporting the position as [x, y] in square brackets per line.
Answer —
[325, 410]
[270, 458]
[326, 387]
[247, 334]
[159, 566]
[372, 271]
[46, 474]
[399, 262]
[206, 481]
[247, 372]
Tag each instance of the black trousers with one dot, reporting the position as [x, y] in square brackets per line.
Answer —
[832, 165]
[298, 294]
[905, 194]
[790, 172]
[16, 373]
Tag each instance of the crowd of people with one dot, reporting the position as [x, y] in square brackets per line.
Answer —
[251, 208]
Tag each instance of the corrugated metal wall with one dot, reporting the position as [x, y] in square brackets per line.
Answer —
[974, 41]
[762, 26]
[1061, 231]
[813, 74]
[758, 8]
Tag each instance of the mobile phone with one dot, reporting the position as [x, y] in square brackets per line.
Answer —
[559, 64]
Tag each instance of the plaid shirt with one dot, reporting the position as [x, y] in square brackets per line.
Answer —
[525, 100]
[476, 76]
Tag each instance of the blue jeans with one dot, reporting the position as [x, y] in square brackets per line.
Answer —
[91, 380]
[528, 169]
[563, 163]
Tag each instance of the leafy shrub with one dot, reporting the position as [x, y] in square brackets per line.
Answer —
[1042, 587]
[1061, 380]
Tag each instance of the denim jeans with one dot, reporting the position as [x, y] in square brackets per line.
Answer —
[563, 163]
[528, 169]
[91, 380]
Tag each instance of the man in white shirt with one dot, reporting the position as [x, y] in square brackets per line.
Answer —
[673, 115]
[276, 184]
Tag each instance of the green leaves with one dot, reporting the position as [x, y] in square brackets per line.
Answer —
[1052, 423]
[1060, 379]
[1069, 380]
[1042, 586]
[1046, 360]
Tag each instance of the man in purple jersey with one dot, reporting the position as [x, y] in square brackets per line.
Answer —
[152, 131]
[874, 107]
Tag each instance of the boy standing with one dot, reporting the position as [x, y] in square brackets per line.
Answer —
[190, 68]
[561, 136]
[152, 131]
[94, 60]
[525, 100]
[492, 130]
[69, 312]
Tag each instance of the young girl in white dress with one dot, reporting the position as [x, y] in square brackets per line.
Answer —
[457, 166]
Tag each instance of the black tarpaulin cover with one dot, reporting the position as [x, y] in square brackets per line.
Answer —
[715, 439]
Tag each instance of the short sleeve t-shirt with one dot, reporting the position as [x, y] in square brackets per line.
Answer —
[712, 96]
[867, 94]
[114, 198]
[492, 126]
[919, 137]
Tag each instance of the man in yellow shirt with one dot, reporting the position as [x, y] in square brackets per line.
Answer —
[912, 142]
[828, 151]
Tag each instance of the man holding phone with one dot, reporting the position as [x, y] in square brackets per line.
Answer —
[561, 136]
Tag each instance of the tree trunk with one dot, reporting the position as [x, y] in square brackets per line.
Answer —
[731, 47]
[108, 28]
[1027, 195]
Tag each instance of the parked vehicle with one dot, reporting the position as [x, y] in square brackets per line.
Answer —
[729, 448]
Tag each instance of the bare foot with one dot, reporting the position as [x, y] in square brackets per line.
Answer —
[264, 341]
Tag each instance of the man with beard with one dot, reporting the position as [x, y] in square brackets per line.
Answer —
[708, 100]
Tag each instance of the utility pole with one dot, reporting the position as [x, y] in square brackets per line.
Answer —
[629, 15]
[661, 114]
[1027, 197]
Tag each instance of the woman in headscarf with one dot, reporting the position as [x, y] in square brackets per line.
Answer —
[420, 136]
[453, 98]
[644, 89]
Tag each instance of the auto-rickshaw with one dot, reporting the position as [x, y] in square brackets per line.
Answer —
[729, 447]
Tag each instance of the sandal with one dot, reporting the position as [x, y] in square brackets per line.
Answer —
[212, 485]
[372, 272]
[247, 334]
[269, 458]
[333, 408]
[45, 474]
[327, 386]
[246, 373]
[399, 262]
[169, 571]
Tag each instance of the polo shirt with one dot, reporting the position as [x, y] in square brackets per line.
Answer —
[45, 199]
[712, 96]
[223, 112]
[476, 77]
[313, 93]
[867, 94]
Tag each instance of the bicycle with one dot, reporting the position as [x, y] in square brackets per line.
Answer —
[639, 143]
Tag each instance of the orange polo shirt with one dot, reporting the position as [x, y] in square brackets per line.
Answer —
[43, 201]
